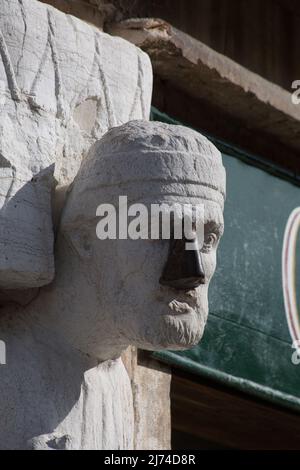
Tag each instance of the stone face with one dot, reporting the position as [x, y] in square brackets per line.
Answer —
[62, 85]
[149, 163]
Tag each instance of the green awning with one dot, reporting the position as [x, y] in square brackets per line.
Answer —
[247, 342]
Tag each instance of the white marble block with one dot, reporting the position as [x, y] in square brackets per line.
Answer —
[63, 84]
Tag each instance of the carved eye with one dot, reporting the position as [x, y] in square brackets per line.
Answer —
[209, 242]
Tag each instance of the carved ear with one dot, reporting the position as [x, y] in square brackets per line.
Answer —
[77, 223]
[26, 229]
[80, 239]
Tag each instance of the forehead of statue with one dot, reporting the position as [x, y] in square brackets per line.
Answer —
[149, 193]
[193, 207]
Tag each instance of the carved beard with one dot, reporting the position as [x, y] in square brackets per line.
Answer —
[182, 334]
[173, 332]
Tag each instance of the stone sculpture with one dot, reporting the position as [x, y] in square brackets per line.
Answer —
[65, 346]
[63, 85]
[149, 163]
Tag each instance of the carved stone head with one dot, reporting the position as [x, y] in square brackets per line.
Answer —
[152, 293]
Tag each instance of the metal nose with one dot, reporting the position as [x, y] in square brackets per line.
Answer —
[183, 269]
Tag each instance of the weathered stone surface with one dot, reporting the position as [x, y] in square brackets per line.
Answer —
[150, 383]
[97, 12]
[63, 84]
[204, 74]
[64, 385]
[152, 407]
[92, 12]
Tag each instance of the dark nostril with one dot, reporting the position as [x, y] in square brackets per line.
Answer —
[184, 268]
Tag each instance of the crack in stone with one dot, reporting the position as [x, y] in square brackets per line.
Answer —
[24, 35]
[109, 105]
[58, 80]
[9, 70]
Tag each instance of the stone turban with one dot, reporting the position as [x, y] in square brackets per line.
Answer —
[149, 161]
